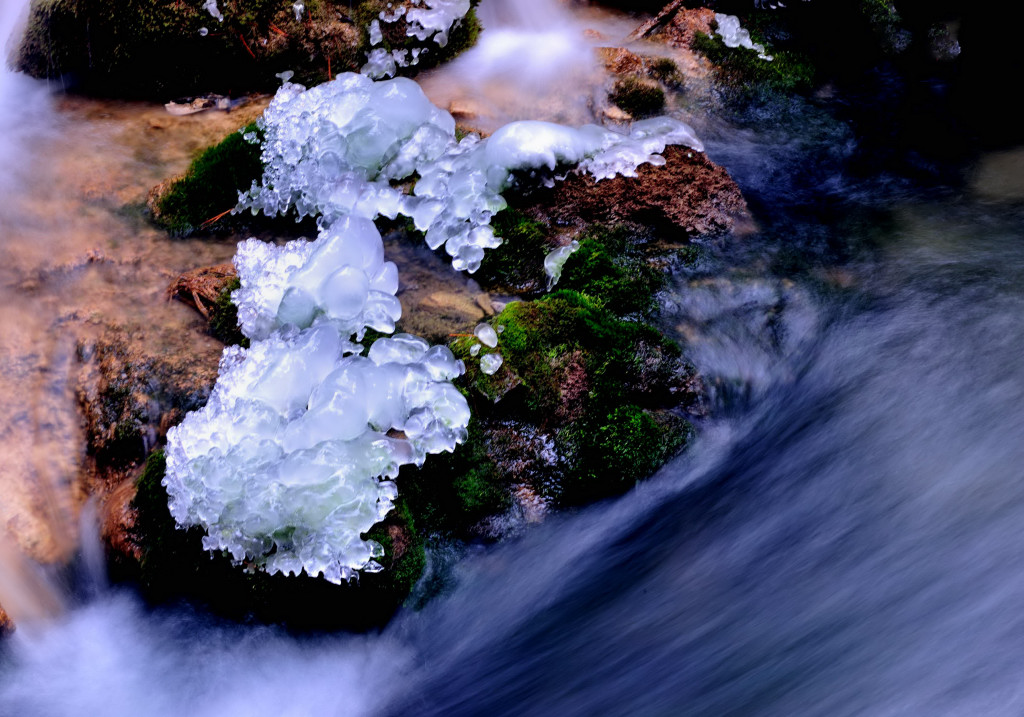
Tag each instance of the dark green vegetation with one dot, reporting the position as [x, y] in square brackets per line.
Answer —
[224, 318]
[517, 265]
[787, 71]
[211, 184]
[612, 267]
[637, 97]
[174, 565]
[664, 69]
[598, 385]
[154, 49]
[454, 491]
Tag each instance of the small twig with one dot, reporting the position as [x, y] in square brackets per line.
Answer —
[662, 18]
[247, 48]
[210, 221]
[329, 76]
[199, 306]
[278, 30]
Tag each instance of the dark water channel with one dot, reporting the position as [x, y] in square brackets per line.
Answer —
[846, 538]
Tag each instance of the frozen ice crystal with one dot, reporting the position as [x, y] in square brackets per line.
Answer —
[211, 7]
[340, 279]
[555, 261]
[486, 334]
[735, 36]
[490, 363]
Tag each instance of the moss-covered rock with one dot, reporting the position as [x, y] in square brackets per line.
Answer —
[743, 70]
[170, 563]
[611, 452]
[211, 184]
[590, 381]
[639, 97]
[452, 492]
[224, 317]
[612, 265]
[517, 265]
[395, 36]
[164, 49]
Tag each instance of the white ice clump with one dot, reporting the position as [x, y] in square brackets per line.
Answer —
[555, 261]
[427, 20]
[486, 334]
[341, 279]
[490, 363]
[735, 36]
[342, 148]
[434, 19]
[290, 460]
[211, 7]
[298, 8]
[376, 35]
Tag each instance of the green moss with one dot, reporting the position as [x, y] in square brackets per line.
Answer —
[665, 69]
[613, 450]
[211, 184]
[518, 264]
[174, 566]
[786, 72]
[453, 491]
[224, 317]
[539, 335]
[597, 382]
[637, 97]
[609, 267]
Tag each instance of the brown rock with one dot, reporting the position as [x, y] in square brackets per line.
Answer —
[680, 30]
[689, 193]
[620, 61]
[617, 114]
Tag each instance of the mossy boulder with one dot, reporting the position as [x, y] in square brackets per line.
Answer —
[395, 36]
[637, 96]
[744, 70]
[210, 185]
[613, 263]
[165, 49]
[575, 371]
[517, 266]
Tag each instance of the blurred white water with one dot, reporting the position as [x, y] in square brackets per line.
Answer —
[34, 510]
[533, 60]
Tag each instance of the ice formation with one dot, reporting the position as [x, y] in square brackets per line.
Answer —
[344, 148]
[735, 36]
[555, 261]
[486, 335]
[211, 7]
[341, 280]
[289, 461]
[428, 21]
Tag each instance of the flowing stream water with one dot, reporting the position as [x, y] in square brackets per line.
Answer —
[844, 539]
